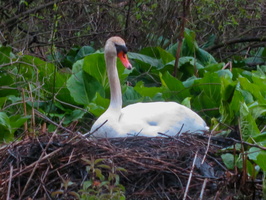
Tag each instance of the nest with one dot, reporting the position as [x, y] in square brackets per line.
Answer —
[185, 167]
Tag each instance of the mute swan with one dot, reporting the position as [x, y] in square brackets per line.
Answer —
[143, 119]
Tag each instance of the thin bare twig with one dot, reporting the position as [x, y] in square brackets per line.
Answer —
[186, 6]
[39, 114]
[190, 175]
[23, 14]
[89, 134]
[203, 189]
[10, 180]
[209, 142]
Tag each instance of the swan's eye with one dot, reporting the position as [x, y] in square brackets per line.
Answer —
[121, 48]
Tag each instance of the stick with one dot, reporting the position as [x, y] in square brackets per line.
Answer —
[209, 142]
[10, 180]
[190, 175]
[89, 134]
[202, 189]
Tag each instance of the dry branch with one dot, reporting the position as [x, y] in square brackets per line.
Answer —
[235, 41]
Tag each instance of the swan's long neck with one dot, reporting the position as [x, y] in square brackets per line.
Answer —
[115, 87]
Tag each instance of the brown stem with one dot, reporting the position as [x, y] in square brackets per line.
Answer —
[186, 5]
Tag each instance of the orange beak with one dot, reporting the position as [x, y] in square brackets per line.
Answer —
[123, 57]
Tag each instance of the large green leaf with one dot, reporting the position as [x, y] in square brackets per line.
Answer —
[253, 89]
[257, 109]
[5, 123]
[147, 91]
[190, 48]
[6, 55]
[189, 43]
[8, 85]
[84, 51]
[248, 126]
[9, 125]
[83, 87]
[62, 92]
[175, 88]
[210, 85]
[16, 121]
[261, 160]
[229, 160]
[74, 115]
[99, 105]
[130, 96]
[94, 64]
[145, 61]
[230, 98]
[204, 57]
[158, 53]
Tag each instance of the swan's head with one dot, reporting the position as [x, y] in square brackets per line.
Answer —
[116, 46]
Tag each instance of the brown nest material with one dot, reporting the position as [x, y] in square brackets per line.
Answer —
[156, 168]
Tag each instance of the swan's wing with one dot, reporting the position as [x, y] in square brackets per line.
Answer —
[166, 117]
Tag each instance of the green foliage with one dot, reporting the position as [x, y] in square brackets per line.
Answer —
[102, 183]
[223, 97]
[9, 125]
[100, 186]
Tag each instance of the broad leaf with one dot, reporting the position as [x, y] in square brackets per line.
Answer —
[83, 87]
[248, 126]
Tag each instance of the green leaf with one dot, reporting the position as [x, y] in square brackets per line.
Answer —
[257, 110]
[6, 55]
[230, 98]
[103, 166]
[98, 160]
[131, 96]
[6, 133]
[7, 85]
[176, 90]
[253, 89]
[5, 122]
[16, 121]
[207, 93]
[248, 126]
[94, 65]
[146, 61]
[253, 153]
[188, 67]
[83, 87]
[87, 184]
[77, 66]
[99, 174]
[229, 160]
[189, 44]
[73, 116]
[99, 105]
[160, 54]
[84, 51]
[204, 57]
[147, 91]
[186, 102]
[261, 160]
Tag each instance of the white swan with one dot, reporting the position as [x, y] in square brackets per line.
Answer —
[143, 119]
